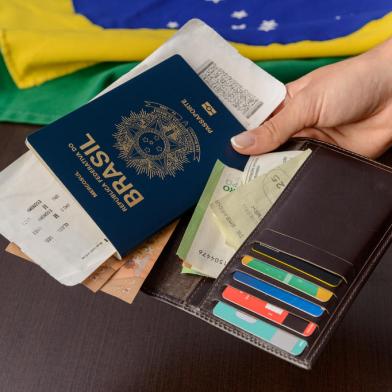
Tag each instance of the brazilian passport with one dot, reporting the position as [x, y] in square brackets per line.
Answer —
[139, 156]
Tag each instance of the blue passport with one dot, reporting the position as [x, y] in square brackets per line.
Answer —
[139, 156]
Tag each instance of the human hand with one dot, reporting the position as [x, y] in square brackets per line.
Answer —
[347, 103]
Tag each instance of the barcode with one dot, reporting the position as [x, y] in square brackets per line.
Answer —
[223, 85]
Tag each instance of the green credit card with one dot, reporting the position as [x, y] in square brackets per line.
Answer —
[303, 285]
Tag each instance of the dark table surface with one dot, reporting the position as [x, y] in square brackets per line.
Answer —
[55, 338]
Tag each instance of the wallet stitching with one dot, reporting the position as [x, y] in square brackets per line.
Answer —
[204, 315]
[197, 289]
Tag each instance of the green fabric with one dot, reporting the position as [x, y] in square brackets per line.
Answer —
[54, 99]
[288, 70]
[48, 102]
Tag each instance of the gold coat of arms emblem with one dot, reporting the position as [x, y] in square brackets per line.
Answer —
[156, 141]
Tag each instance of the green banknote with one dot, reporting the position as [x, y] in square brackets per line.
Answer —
[203, 247]
[238, 213]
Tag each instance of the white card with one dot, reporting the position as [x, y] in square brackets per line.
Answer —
[250, 93]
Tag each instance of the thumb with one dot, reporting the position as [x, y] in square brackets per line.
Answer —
[293, 117]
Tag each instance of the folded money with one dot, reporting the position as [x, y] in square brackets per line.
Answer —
[203, 246]
[95, 281]
[122, 278]
[127, 281]
[238, 213]
[258, 165]
[238, 201]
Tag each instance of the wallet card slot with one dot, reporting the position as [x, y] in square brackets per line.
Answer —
[321, 322]
[280, 294]
[289, 250]
[259, 329]
[328, 306]
[296, 272]
[334, 211]
[265, 309]
[274, 302]
[273, 271]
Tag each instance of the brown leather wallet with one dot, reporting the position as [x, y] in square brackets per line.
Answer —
[336, 213]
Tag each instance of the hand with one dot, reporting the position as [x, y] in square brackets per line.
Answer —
[347, 103]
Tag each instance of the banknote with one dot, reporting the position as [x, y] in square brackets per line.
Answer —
[15, 250]
[95, 281]
[238, 213]
[137, 265]
[203, 247]
[188, 269]
[258, 165]
[103, 273]
[127, 281]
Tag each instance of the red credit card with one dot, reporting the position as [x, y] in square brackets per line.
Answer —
[269, 311]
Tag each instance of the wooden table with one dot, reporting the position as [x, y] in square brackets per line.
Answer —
[55, 338]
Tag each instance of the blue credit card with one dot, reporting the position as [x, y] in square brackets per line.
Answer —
[265, 331]
[280, 294]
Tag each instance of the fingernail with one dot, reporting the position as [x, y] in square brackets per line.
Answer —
[243, 140]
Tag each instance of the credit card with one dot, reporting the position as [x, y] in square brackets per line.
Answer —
[306, 268]
[269, 311]
[285, 277]
[267, 332]
[278, 293]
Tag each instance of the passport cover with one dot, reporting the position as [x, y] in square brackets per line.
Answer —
[138, 157]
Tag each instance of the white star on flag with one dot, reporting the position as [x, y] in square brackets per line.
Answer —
[268, 25]
[214, 1]
[239, 14]
[172, 25]
[239, 27]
